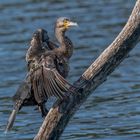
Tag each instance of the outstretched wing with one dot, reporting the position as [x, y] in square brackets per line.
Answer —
[48, 82]
[39, 44]
[36, 45]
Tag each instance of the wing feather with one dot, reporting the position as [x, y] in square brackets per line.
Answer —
[48, 82]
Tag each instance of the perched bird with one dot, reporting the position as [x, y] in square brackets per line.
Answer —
[24, 95]
[47, 69]
[65, 49]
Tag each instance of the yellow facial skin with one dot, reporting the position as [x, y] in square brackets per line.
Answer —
[66, 24]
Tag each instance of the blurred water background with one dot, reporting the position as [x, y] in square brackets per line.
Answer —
[112, 112]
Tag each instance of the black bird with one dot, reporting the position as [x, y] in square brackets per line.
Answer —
[47, 68]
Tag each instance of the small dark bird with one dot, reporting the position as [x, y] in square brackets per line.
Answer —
[48, 66]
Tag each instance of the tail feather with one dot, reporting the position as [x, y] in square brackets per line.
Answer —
[23, 95]
[11, 120]
[12, 117]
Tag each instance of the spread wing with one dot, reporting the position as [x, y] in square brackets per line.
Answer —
[48, 82]
[39, 45]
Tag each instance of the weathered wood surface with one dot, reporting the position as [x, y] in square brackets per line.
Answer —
[60, 114]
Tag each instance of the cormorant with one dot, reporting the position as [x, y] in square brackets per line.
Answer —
[47, 69]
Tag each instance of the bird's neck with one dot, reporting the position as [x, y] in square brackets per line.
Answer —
[60, 35]
[65, 44]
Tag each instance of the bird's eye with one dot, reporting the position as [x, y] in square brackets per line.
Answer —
[66, 20]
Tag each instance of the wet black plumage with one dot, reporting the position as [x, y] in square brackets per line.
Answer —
[47, 68]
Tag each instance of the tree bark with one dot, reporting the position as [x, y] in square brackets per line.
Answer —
[61, 112]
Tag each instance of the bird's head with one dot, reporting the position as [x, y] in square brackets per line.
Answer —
[64, 23]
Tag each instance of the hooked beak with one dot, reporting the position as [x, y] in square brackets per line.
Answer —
[72, 24]
[69, 24]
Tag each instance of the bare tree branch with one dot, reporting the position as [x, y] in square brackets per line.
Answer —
[60, 114]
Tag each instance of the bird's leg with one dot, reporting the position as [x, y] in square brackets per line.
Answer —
[43, 109]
